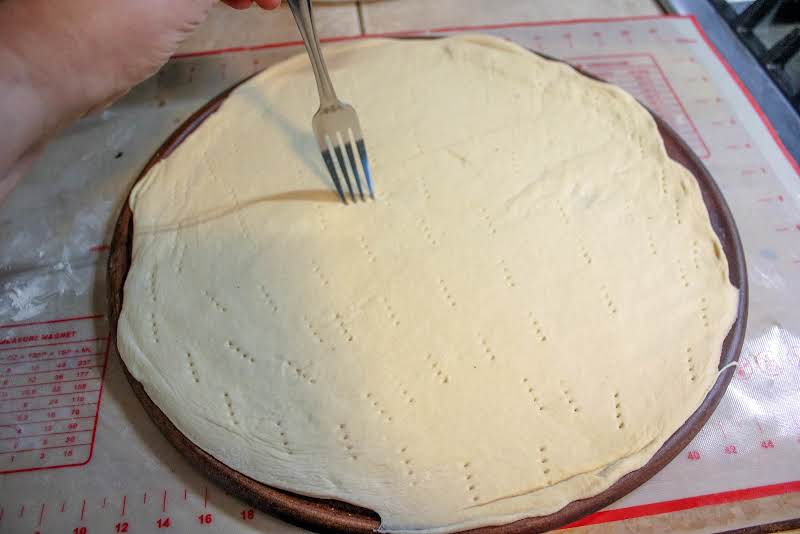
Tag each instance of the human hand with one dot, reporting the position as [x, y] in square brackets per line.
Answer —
[61, 60]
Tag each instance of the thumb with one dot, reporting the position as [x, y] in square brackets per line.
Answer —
[244, 4]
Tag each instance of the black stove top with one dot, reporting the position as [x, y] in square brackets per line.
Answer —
[771, 31]
[761, 41]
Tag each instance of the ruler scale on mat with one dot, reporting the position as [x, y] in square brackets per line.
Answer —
[77, 454]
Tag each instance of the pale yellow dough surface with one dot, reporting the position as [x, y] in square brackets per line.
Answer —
[533, 305]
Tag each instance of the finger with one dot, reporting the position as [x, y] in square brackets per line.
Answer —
[239, 4]
[268, 4]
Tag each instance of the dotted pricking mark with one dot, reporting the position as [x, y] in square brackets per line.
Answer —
[232, 194]
[426, 230]
[345, 331]
[487, 350]
[407, 396]
[229, 403]
[215, 302]
[618, 411]
[233, 347]
[417, 142]
[346, 443]
[678, 211]
[437, 371]
[268, 299]
[446, 292]
[537, 328]
[629, 217]
[640, 146]
[407, 463]
[153, 286]
[543, 461]
[318, 271]
[314, 333]
[514, 159]
[563, 213]
[612, 308]
[390, 311]
[424, 187]
[322, 221]
[570, 399]
[378, 407]
[690, 363]
[472, 488]
[192, 368]
[682, 271]
[651, 243]
[507, 276]
[663, 181]
[181, 255]
[584, 253]
[367, 250]
[300, 372]
[536, 403]
[154, 327]
[696, 254]
[488, 220]
[284, 439]
[704, 311]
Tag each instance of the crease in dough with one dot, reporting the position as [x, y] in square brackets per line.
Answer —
[597, 471]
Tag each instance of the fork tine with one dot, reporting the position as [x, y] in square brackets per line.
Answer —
[362, 152]
[349, 148]
[342, 165]
[326, 157]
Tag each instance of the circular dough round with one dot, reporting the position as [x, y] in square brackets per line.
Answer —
[534, 303]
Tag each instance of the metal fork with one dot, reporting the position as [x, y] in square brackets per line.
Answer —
[335, 121]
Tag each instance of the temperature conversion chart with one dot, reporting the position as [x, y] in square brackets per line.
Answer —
[50, 386]
[77, 452]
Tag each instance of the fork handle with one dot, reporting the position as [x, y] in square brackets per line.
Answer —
[303, 16]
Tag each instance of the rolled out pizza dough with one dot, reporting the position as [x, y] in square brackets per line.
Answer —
[534, 303]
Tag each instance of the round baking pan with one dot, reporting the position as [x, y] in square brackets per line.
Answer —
[336, 516]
